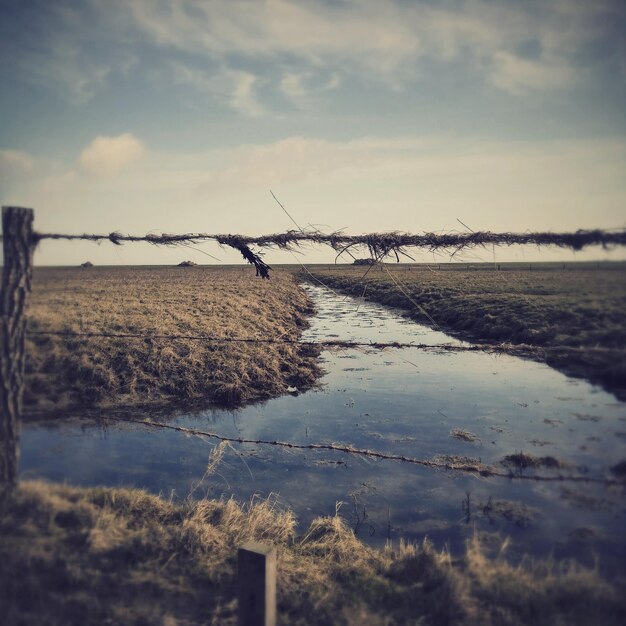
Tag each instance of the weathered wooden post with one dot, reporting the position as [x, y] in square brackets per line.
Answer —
[256, 575]
[18, 244]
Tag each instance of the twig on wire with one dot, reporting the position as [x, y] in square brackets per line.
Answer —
[282, 206]
[254, 258]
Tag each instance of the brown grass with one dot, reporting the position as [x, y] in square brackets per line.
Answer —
[65, 371]
[121, 556]
[549, 307]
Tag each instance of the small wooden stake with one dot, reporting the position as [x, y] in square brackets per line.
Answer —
[257, 585]
[18, 244]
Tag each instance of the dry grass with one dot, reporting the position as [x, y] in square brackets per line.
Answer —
[547, 307]
[64, 371]
[121, 556]
[464, 435]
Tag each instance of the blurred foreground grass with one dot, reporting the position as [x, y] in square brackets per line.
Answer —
[122, 556]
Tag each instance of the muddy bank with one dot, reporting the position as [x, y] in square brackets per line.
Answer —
[547, 308]
[148, 560]
[73, 371]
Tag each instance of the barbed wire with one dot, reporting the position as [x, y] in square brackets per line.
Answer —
[380, 242]
[379, 245]
[476, 468]
[503, 348]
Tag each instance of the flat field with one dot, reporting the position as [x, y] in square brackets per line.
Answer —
[74, 555]
[65, 371]
[547, 306]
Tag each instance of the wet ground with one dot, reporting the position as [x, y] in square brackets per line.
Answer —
[409, 401]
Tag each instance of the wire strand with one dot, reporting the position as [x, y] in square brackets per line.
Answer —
[472, 468]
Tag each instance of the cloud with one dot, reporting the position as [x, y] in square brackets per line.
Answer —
[388, 41]
[367, 184]
[68, 71]
[303, 89]
[106, 156]
[243, 96]
[59, 46]
[16, 170]
[235, 88]
[16, 162]
[484, 180]
[78, 49]
[518, 76]
[378, 36]
[292, 85]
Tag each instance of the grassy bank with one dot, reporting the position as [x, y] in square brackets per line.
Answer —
[70, 371]
[121, 556]
[544, 306]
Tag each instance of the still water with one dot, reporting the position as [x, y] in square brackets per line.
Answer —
[397, 401]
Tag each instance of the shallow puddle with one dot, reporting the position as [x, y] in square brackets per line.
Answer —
[396, 401]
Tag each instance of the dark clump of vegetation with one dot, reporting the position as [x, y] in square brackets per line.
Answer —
[522, 460]
[187, 264]
[519, 513]
[576, 317]
[104, 371]
[121, 556]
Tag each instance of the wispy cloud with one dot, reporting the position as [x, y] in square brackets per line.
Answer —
[429, 164]
[305, 89]
[236, 88]
[388, 40]
[64, 69]
[16, 161]
[291, 45]
[518, 75]
[16, 167]
[243, 96]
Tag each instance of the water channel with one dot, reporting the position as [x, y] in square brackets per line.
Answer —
[398, 401]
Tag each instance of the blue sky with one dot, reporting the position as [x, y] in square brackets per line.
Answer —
[181, 115]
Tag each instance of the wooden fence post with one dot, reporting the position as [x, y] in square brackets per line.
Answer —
[18, 244]
[256, 575]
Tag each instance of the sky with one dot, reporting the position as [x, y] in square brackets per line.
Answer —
[150, 116]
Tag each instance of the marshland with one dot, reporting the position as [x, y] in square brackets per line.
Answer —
[515, 517]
